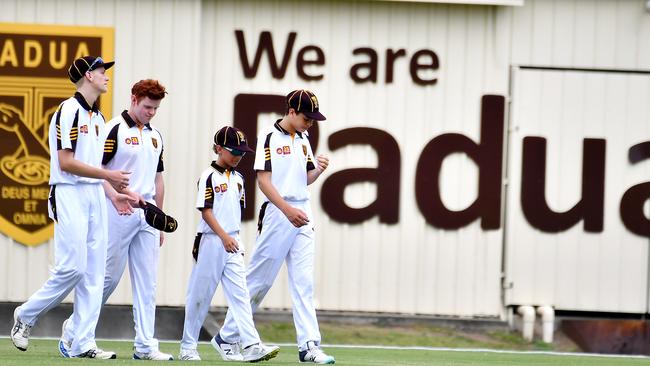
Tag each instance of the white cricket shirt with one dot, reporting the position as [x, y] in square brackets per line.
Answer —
[78, 127]
[135, 150]
[289, 157]
[222, 190]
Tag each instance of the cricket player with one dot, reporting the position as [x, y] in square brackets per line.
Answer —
[286, 231]
[219, 255]
[133, 145]
[78, 208]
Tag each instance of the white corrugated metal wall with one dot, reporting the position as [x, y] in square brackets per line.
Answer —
[410, 267]
[574, 269]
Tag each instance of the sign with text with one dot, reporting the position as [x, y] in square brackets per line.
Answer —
[34, 63]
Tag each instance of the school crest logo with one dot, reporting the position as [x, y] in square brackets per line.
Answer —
[304, 150]
[34, 61]
[154, 142]
[241, 137]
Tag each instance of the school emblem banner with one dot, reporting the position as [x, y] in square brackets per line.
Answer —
[34, 61]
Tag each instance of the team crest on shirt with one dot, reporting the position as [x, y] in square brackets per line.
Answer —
[97, 130]
[239, 187]
[304, 150]
[154, 142]
[286, 150]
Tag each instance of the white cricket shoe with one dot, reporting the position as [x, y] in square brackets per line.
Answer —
[313, 354]
[64, 345]
[189, 355]
[153, 356]
[228, 351]
[98, 354]
[20, 333]
[259, 352]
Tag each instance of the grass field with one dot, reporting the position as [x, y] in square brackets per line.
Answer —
[43, 352]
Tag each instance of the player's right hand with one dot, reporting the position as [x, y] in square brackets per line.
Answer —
[118, 179]
[230, 244]
[296, 216]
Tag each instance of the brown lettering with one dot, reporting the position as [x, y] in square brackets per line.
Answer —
[533, 187]
[303, 62]
[391, 56]
[386, 176]
[633, 200]
[265, 45]
[371, 66]
[487, 155]
[416, 66]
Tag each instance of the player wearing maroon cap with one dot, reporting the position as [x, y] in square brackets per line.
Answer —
[286, 225]
[219, 255]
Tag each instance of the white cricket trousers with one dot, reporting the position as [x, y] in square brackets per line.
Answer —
[130, 237]
[280, 241]
[80, 261]
[215, 265]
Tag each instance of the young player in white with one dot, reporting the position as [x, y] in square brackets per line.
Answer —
[219, 255]
[134, 145]
[287, 228]
[78, 208]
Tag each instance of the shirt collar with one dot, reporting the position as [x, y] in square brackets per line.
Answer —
[279, 128]
[82, 101]
[219, 168]
[130, 122]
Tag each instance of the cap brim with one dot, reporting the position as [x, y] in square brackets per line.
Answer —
[318, 116]
[105, 65]
[240, 148]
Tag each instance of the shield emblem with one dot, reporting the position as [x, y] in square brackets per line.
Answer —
[154, 142]
[29, 97]
[304, 150]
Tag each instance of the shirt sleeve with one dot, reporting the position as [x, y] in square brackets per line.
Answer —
[263, 153]
[67, 129]
[205, 193]
[161, 165]
[110, 145]
[310, 155]
[242, 193]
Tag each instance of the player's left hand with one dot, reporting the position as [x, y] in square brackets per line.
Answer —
[322, 162]
[123, 203]
[162, 238]
[138, 200]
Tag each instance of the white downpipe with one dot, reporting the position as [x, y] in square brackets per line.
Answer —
[548, 322]
[527, 313]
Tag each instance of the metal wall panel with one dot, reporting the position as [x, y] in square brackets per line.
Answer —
[409, 267]
[600, 34]
[574, 269]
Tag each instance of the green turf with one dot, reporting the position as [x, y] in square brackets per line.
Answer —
[44, 353]
[413, 335]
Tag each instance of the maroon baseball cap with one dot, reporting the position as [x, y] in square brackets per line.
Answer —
[84, 64]
[233, 138]
[305, 102]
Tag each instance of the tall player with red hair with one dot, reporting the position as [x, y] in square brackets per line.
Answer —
[136, 146]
